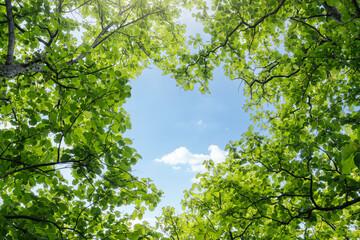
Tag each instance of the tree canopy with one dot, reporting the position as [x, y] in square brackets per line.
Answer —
[65, 166]
[297, 174]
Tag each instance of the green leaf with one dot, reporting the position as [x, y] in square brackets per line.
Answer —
[68, 139]
[249, 132]
[347, 161]
[347, 150]
[58, 138]
[357, 159]
[8, 134]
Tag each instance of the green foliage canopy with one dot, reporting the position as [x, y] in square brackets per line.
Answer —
[300, 177]
[64, 71]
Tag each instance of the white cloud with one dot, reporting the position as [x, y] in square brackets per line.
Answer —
[198, 168]
[200, 122]
[216, 154]
[176, 168]
[182, 156]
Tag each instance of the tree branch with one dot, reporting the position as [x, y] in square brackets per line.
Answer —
[97, 40]
[76, 8]
[357, 7]
[338, 207]
[267, 15]
[243, 233]
[332, 11]
[36, 166]
[43, 220]
[12, 70]
[249, 26]
[312, 27]
[11, 29]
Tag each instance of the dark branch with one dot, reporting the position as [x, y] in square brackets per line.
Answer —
[43, 220]
[312, 27]
[249, 26]
[332, 11]
[12, 70]
[98, 40]
[250, 84]
[338, 207]
[357, 7]
[266, 16]
[243, 233]
[11, 29]
[35, 166]
[72, 10]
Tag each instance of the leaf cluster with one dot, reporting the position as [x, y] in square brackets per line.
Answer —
[65, 167]
[298, 177]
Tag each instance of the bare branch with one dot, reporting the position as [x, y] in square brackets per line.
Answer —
[332, 11]
[11, 29]
[12, 70]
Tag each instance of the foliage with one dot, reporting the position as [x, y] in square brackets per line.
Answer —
[300, 177]
[64, 164]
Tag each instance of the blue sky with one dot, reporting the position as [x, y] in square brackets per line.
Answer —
[175, 130]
